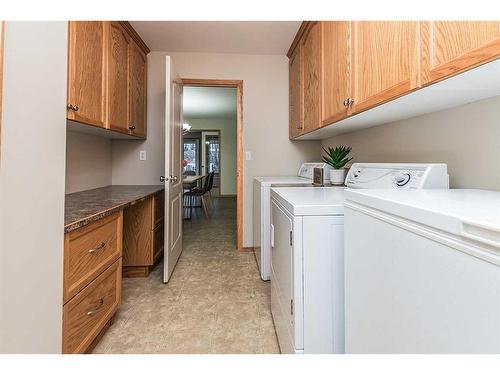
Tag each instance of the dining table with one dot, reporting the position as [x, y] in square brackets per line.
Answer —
[189, 179]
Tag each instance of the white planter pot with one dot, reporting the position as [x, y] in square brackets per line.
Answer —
[337, 176]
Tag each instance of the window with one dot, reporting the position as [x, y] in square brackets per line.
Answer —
[212, 142]
[191, 155]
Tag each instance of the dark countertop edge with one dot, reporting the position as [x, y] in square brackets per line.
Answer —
[102, 214]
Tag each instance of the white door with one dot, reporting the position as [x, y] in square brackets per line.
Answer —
[173, 170]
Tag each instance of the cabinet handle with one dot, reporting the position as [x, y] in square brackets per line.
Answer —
[348, 102]
[132, 127]
[72, 107]
[97, 309]
[300, 127]
[101, 246]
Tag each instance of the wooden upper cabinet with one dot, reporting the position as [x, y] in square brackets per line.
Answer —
[118, 78]
[296, 120]
[451, 47]
[311, 63]
[336, 64]
[87, 72]
[385, 61]
[138, 74]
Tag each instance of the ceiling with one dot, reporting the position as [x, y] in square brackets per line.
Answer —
[240, 37]
[209, 102]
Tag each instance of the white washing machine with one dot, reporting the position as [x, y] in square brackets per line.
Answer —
[422, 271]
[262, 209]
[307, 253]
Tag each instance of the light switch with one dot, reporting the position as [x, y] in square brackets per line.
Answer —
[142, 155]
[248, 155]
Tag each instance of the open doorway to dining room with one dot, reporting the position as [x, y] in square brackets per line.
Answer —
[212, 154]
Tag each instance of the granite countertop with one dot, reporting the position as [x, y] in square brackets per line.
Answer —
[87, 206]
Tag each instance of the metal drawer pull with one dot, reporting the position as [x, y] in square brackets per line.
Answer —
[101, 246]
[97, 309]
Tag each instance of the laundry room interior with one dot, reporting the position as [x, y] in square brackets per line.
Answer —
[278, 186]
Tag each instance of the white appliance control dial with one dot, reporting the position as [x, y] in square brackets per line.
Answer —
[401, 179]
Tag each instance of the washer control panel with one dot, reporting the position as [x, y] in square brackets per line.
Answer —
[397, 176]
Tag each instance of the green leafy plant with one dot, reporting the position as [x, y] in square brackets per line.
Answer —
[337, 157]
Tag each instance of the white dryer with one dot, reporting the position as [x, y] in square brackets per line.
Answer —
[307, 253]
[262, 209]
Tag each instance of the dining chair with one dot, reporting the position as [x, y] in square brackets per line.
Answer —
[201, 193]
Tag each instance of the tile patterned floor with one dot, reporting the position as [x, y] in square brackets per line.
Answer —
[215, 301]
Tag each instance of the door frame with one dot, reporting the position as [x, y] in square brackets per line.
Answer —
[238, 85]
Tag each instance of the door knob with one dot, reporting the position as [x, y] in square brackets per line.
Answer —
[163, 179]
[173, 178]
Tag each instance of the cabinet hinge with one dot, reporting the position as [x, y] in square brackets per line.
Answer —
[291, 238]
[291, 307]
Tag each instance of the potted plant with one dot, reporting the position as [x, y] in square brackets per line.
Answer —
[337, 158]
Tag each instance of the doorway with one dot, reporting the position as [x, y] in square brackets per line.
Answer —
[210, 158]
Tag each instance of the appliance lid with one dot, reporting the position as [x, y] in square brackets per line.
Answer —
[271, 181]
[474, 214]
[314, 201]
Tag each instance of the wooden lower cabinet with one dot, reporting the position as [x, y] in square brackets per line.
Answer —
[88, 251]
[143, 234]
[92, 281]
[85, 315]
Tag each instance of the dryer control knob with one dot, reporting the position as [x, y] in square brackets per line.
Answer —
[402, 179]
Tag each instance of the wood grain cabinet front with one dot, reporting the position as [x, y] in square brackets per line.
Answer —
[296, 94]
[89, 311]
[143, 234]
[118, 78]
[385, 61]
[451, 47]
[311, 55]
[137, 95]
[88, 251]
[87, 72]
[336, 70]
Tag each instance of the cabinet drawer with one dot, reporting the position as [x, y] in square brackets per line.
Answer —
[90, 250]
[158, 241]
[159, 208]
[87, 313]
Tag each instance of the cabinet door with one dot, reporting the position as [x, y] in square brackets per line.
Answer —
[335, 61]
[118, 78]
[87, 73]
[137, 234]
[451, 47]
[311, 60]
[296, 120]
[385, 63]
[138, 73]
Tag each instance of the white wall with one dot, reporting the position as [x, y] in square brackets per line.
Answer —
[265, 117]
[227, 127]
[467, 138]
[88, 162]
[126, 166]
[32, 187]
